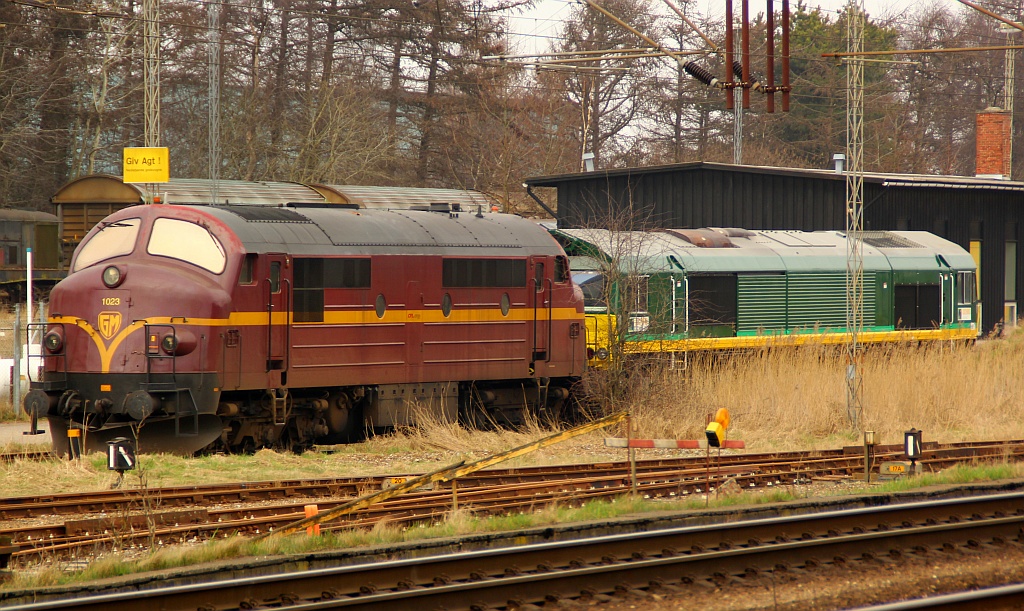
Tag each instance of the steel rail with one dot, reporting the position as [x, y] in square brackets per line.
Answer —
[565, 569]
[984, 599]
[176, 526]
[62, 504]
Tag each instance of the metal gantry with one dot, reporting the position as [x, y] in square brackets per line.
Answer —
[213, 29]
[151, 70]
[854, 208]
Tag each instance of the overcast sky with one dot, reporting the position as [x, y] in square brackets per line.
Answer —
[538, 26]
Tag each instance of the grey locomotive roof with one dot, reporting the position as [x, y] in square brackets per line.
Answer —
[329, 229]
[772, 251]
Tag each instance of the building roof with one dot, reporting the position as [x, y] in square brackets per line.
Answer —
[893, 180]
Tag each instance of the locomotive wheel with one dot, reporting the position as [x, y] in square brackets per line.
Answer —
[344, 419]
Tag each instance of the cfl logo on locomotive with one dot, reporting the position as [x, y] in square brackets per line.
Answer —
[108, 324]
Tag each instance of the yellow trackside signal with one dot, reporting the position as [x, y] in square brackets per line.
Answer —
[715, 431]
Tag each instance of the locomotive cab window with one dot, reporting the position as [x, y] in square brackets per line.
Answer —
[187, 242]
[245, 275]
[112, 240]
[561, 269]
[593, 287]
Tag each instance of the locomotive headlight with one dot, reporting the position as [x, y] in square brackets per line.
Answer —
[169, 343]
[602, 353]
[112, 276]
[178, 342]
[53, 341]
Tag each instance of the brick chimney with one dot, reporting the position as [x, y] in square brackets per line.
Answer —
[993, 137]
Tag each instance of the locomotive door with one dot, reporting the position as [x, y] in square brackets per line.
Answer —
[276, 290]
[541, 304]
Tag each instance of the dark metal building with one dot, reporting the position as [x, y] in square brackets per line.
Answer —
[982, 215]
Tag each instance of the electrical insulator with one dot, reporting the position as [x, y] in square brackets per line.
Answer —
[755, 81]
[701, 74]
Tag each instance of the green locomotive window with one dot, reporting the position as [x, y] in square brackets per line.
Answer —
[112, 240]
[186, 242]
[967, 285]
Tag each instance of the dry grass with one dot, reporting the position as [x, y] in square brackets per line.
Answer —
[796, 398]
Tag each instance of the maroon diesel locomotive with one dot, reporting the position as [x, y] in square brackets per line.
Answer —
[238, 327]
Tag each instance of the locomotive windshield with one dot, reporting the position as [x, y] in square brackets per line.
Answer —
[112, 240]
[186, 242]
[592, 284]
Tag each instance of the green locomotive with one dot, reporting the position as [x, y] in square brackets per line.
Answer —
[681, 290]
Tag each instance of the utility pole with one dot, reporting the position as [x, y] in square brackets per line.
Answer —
[854, 208]
[151, 71]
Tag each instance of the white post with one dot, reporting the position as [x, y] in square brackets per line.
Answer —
[28, 294]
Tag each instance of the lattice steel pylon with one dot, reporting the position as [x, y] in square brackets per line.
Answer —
[854, 209]
[151, 71]
[1008, 89]
[213, 29]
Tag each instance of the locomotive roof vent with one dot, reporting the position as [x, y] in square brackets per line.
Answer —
[266, 214]
[702, 238]
[439, 207]
[342, 206]
[886, 239]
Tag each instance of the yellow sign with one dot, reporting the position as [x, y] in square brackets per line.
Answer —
[147, 164]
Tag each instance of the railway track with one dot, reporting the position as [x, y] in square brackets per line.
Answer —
[10, 457]
[176, 515]
[544, 574]
[845, 461]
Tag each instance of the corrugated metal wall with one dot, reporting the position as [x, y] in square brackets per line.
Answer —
[698, 195]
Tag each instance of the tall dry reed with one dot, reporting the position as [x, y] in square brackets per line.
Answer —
[797, 396]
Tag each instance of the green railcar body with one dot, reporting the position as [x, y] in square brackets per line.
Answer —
[676, 291]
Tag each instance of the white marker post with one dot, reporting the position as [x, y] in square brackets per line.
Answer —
[28, 294]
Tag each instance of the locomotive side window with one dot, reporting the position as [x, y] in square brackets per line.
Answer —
[245, 276]
[112, 240]
[275, 276]
[187, 242]
[346, 274]
[312, 276]
[483, 273]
